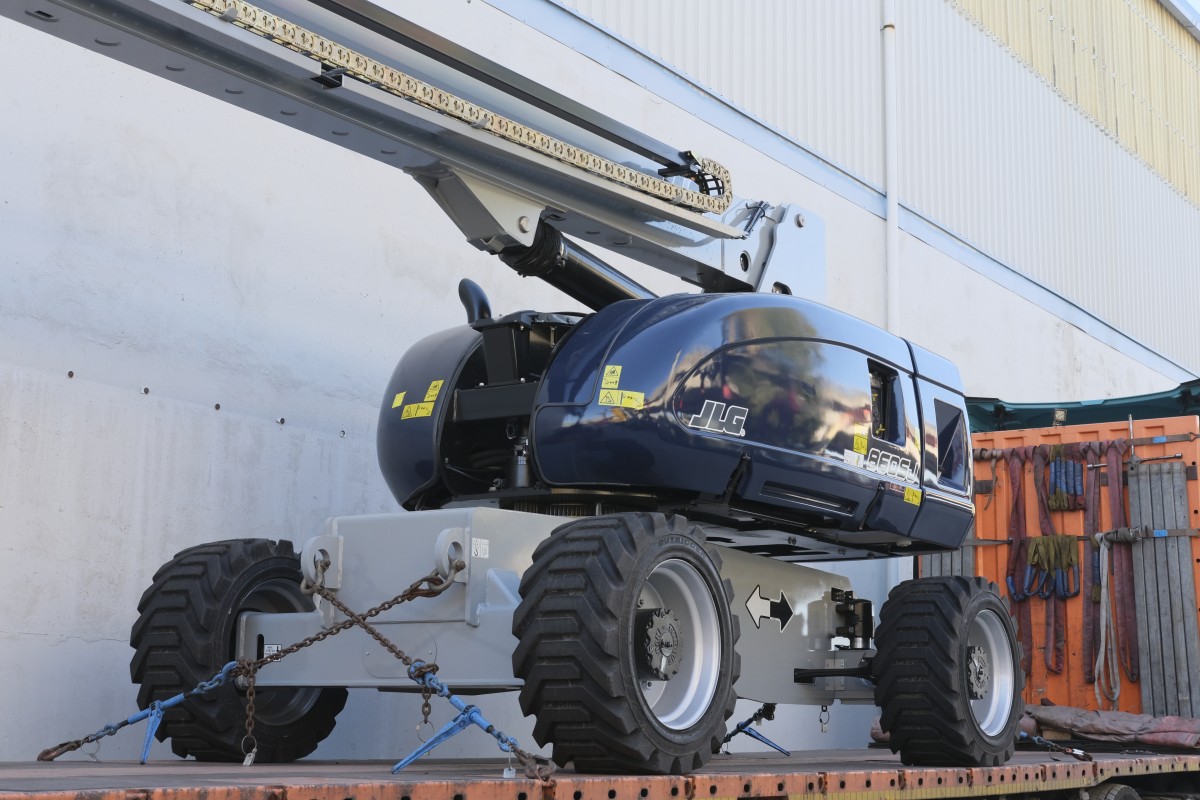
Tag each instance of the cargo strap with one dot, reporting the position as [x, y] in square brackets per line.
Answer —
[1093, 452]
[1066, 478]
[1055, 606]
[1054, 562]
[1122, 567]
[984, 454]
[1107, 671]
[1018, 556]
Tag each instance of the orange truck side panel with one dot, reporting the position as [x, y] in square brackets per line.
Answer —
[991, 561]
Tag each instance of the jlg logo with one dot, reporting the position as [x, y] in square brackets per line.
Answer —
[719, 418]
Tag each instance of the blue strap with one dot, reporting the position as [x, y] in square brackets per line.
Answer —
[1066, 581]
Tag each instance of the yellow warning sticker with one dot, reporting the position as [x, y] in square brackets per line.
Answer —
[912, 496]
[613, 397]
[611, 379]
[432, 392]
[860, 443]
[413, 410]
[398, 400]
[633, 399]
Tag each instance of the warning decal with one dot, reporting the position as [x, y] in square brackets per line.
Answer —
[860, 439]
[633, 399]
[613, 397]
[417, 410]
[912, 496]
[611, 379]
[423, 409]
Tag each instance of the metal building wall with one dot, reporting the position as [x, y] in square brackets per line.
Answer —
[993, 153]
[809, 69]
[1129, 66]
[1012, 139]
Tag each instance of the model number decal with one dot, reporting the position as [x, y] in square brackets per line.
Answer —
[886, 464]
[720, 418]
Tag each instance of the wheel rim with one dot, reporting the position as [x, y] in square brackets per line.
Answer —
[680, 702]
[280, 706]
[991, 677]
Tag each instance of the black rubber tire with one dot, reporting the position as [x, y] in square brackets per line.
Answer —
[1113, 791]
[922, 673]
[577, 653]
[185, 634]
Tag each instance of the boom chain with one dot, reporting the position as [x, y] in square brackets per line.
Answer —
[714, 184]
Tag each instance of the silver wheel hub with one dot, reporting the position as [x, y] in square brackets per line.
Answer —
[677, 647]
[991, 675]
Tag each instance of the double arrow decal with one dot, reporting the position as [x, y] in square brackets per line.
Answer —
[761, 608]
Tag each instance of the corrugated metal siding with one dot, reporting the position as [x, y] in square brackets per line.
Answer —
[1129, 65]
[991, 155]
[989, 149]
[809, 69]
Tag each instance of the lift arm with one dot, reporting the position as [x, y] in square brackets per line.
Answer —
[512, 163]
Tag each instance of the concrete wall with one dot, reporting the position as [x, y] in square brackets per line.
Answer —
[153, 239]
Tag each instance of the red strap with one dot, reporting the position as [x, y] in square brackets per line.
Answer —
[1056, 633]
[1055, 642]
[1018, 555]
[1090, 595]
[1041, 456]
[1122, 552]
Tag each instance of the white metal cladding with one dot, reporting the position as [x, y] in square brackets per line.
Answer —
[990, 151]
[808, 69]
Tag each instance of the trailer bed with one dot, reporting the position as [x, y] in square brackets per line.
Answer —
[860, 774]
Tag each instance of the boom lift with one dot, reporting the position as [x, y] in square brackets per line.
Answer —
[624, 502]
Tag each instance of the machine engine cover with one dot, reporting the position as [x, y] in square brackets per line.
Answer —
[743, 409]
